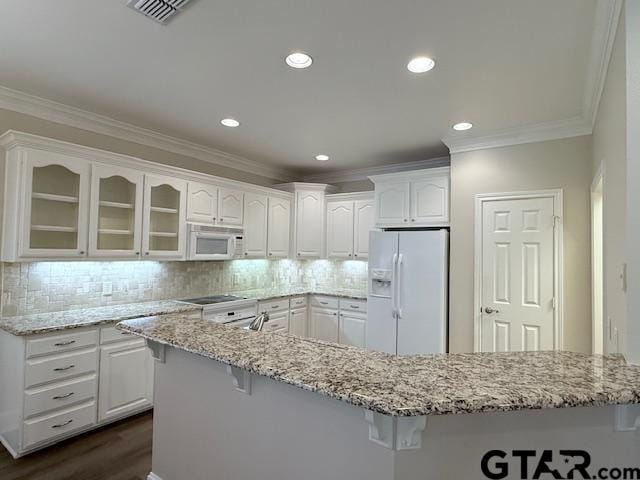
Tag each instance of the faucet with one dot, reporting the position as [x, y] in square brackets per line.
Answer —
[258, 323]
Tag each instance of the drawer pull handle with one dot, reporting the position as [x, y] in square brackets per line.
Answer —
[62, 397]
[324, 303]
[354, 306]
[125, 333]
[275, 306]
[64, 344]
[62, 369]
[60, 425]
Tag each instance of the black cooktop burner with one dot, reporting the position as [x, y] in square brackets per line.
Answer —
[212, 299]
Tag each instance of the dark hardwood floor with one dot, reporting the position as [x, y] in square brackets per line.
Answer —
[121, 451]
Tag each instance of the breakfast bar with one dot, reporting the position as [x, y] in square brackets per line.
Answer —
[237, 404]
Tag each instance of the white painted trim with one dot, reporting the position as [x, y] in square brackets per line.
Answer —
[368, 195]
[39, 107]
[429, 172]
[365, 173]
[598, 182]
[571, 127]
[558, 260]
[605, 26]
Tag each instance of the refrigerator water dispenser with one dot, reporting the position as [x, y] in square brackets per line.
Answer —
[381, 282]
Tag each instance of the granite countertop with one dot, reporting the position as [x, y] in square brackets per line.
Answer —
[261, 294]
[409, 385]
[84, 317]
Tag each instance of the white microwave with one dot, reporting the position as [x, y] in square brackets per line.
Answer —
[214, 243]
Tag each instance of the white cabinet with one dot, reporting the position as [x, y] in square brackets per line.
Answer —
[309, 224]
[298, 320]
[202, 203]
[340, 229]
[349, 220]
[352, 328]
[115, 221]
[230, 207]
[56, 205]
[163, 221]
[126, 379]
[278, 229]
[255, 225]
[278, 322]
[412, 199]
[324, 324]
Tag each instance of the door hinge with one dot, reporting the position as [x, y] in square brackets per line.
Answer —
[553, 303]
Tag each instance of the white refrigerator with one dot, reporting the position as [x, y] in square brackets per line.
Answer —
[408, 290]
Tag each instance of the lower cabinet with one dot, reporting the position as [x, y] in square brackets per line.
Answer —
[126, 379]
[324, 324]
[338, 320]
[352, 328]
[298, 319]
[278, 322]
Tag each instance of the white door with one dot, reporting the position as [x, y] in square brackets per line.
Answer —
[115, 222]
[392, 204]
[56, 205]
[363, 222]
[340, 229]
[309, 224]
[517, 275]
[163, 219]
[430, 201]
[202, 203]
[352, 328]
[278, 231]
[230, 207]
[126, 379]
[255, 226]
[324, 324]
[298, 321]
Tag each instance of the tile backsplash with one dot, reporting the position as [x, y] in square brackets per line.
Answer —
[53, 286]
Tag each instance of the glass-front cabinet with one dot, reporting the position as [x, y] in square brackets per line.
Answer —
[163, 223]
[115, 220]
[56, 191]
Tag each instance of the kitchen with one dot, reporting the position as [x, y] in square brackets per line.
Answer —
[129, 255]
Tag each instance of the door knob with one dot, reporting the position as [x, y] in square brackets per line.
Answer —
[490, 310]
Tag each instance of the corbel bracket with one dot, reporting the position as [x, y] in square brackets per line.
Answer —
[396, 433]
[157, 350]
[241, 379]
[627, 418]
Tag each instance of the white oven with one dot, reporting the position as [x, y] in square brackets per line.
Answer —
[214, 243]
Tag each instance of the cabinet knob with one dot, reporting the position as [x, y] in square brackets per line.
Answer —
[214, 219]
[413, 219]
[298, 253]
[270, 253]
[355, 254]
[335, 314]
[81, 252]
[246, 253]
[349, 254]
[405, 219]
[137, 253]
[221, 220]
[146, 253]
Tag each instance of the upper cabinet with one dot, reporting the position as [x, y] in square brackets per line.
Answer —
[115, 220]
[230, 207]
[363, 223]
[163, 219]
[349, 221]
[278, 228]
[202, 203]
[412, 199]
[255, 227]
[54, 205]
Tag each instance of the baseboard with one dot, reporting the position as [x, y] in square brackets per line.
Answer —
[153, 476]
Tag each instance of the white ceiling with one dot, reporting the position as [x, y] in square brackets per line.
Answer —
[500, 64]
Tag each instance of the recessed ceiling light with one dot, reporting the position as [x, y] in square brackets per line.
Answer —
[322, 158]
[230, 122]
[462, 126]
[299, 60]
[421, 64]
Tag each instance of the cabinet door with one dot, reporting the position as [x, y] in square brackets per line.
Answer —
[324, 324]
[309, 224]
[362, 224]
[352, 328]
[278, 322]
[230, 207]
[202, 203]
[340, 229]
[278, 230]
[255, 225]
[115, 222]
[392, 203]
[126, 379]
[430, 201]
[298, 319]
[56, 205]
[163, 222]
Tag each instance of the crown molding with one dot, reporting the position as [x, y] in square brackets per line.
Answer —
[39, 107]
[572, 127]
[364, 173]
[605, 27]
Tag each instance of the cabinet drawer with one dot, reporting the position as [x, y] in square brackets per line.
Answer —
[112, 334]
[58, 423]
[299, 301]
[277, 323]
[58, 367]
[324, 302]
[275, 305]
[353, 305]
[61, 343]
[58, 395]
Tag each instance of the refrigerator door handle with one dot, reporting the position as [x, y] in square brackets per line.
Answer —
[394, 262]
[398, 295]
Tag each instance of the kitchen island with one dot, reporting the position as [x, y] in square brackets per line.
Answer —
[235, 404]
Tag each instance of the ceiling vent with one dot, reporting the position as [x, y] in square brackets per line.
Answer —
[159, 10]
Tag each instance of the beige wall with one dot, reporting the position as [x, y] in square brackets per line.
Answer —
[609, 151]
[25, 123]
[564, 164]
[365, 185]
